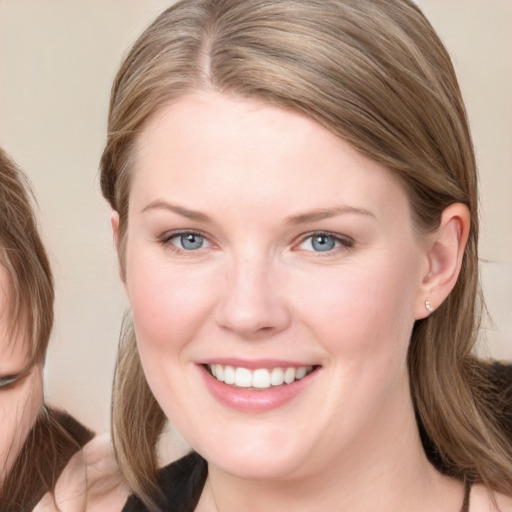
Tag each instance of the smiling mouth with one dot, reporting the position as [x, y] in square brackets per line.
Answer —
[262, 378]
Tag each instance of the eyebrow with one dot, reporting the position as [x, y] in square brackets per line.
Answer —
[184, 212]
[326, 213]
[301, 218]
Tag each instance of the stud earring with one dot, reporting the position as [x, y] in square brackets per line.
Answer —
[428, 306]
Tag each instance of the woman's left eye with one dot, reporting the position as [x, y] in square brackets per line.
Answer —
[324, 242]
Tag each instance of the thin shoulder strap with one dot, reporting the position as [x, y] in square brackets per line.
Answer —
[467, 492]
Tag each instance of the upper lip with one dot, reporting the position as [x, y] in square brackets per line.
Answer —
[254, 364]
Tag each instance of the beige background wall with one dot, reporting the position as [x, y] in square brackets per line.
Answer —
[57, 61]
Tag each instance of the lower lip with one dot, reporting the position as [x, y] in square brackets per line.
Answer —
[254, 400]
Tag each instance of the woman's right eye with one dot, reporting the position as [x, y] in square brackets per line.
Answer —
[187, 241]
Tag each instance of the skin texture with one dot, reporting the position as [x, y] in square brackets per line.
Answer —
[259, 182]
[21, 401]
[92, 468]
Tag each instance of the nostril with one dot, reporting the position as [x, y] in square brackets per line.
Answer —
[249, 304]
[248, 331]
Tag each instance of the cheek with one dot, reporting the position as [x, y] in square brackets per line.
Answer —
[363, 318]
[168, 305]
[361, 310]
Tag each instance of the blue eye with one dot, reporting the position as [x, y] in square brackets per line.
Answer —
[324, 242]
[188, 241]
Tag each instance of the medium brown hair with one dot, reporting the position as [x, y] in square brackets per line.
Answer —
[55, 436]
[374, 73]
[23, 255]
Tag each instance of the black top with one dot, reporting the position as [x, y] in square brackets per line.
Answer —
[181, 483]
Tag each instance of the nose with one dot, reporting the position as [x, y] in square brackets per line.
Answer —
[252, 304]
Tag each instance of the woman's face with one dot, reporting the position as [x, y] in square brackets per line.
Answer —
[266, 250]
[21, 400]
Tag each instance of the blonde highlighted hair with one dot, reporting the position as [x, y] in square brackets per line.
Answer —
[374, 73]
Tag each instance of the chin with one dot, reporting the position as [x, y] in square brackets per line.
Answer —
[261, 468]
[256, 460]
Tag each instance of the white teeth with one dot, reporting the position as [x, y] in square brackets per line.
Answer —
[277, 377]
[219, 372]
[243, 378]
[289, 375]
[229, 375]
[301, 372]
[262, 378]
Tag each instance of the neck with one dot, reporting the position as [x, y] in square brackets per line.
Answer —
[384, 469]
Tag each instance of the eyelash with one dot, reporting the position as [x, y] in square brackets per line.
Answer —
[165, 240]
[341, 242]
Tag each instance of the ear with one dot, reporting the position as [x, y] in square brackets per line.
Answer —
[114, 222]
[445, 250]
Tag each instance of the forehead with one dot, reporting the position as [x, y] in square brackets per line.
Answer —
[234, 148]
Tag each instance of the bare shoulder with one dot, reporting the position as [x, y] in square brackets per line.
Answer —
[482, 500]
[105, 489]
[90, 482]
